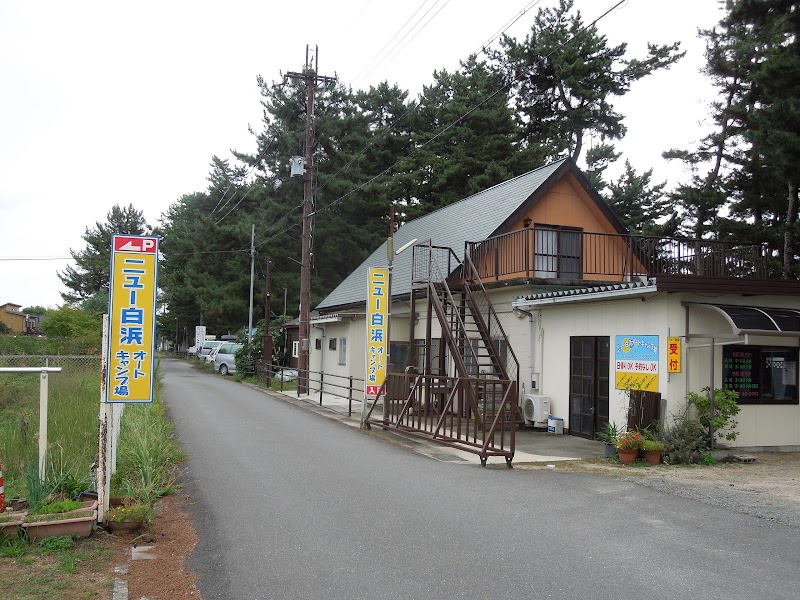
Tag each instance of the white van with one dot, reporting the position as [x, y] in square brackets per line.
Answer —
[207, 346]
[225, 358]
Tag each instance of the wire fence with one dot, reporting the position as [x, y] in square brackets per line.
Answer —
[66, 362]
[73, 401]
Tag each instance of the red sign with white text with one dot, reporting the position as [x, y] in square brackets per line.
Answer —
[137, 243]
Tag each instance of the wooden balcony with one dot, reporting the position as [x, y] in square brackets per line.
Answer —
[568, 254]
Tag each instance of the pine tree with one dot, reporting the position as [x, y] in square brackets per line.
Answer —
[91, 274]
[563, 77]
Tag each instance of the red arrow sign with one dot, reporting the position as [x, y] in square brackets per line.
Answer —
[127, 243]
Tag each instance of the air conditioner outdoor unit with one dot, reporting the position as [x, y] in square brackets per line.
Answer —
[535, 409]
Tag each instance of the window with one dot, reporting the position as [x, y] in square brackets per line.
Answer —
[332, 344]
[558, 252]
[398, 356]
[420, 351]
[501, 344]
[761, 374]
[342, 351]
[296, 349]
[471, 357]
[318, 344]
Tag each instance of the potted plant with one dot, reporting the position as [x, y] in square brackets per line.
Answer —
[652, 450]
[608, 435]
[64, 517]
[10, 522]
[129, 517]
[628, 445]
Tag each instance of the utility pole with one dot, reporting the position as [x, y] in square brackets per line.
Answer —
[252, 272]
[311, 79]
[266, 353]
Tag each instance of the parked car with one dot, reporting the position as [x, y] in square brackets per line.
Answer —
[207, 347]
[209, 358]
[225, 358]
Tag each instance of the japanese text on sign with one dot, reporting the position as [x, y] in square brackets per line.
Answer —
[131, 310]
[636, 362]
[673, 355]
[377, 331]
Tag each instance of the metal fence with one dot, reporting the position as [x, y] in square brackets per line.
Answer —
[72, 362]
[566, 254]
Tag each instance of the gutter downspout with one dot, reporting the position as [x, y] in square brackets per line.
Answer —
[530, 347]
[322, 354]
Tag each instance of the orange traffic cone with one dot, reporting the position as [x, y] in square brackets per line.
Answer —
[2, 491]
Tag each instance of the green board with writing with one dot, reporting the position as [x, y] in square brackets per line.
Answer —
[740, 371]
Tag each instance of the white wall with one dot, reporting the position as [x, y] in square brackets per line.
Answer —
[353, 328]
[663, 315]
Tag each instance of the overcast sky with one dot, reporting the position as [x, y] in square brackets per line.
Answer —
[108, 103]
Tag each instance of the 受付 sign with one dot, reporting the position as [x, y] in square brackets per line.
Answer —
[132, 319]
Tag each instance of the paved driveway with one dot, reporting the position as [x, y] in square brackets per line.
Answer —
[289, 504]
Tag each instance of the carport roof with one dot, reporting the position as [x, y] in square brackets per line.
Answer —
[756, 320]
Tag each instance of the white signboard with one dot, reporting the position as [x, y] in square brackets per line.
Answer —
[199, 336]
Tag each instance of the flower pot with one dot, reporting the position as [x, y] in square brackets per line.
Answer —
[123, 527]
[610, 451]
[653, 457]
[9, 528]
[626, 457]
[80, 526]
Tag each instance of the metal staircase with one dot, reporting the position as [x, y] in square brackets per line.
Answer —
[473, 406]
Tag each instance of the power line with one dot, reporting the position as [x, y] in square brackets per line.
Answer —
[424, 2]
[505, 27]
[412, 106]
[258, 158]
[391, 127]
[504, 87]
[21, 258]
[409, 32]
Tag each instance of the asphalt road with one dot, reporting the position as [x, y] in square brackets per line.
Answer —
[291, 505]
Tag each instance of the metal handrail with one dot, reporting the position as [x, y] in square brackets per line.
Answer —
[474, 279]
[573, 254]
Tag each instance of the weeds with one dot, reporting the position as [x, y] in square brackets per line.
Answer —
[148, 454]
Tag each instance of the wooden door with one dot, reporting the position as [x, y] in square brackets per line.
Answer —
[589, 385]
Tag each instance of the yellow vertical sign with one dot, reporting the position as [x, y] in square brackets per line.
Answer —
[377, 330]
[132, 319]
[673, 355]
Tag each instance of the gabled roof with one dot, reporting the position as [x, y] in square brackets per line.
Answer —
[472, 219]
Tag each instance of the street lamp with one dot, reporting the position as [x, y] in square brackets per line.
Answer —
[390, 254]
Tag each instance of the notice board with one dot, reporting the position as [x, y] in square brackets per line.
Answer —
[741, 371]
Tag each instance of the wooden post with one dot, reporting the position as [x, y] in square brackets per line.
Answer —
[103, 480]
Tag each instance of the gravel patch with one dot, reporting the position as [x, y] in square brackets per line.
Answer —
[768, 488]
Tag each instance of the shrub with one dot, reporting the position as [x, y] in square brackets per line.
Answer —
[133, 513]
[652, 446]
[725, 410]
[684, 439]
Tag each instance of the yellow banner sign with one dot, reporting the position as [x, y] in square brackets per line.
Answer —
[377, 331]
[673, 355]
[132, 319]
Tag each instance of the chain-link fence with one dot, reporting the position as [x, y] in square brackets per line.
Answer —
[73, 404]
[63, 361]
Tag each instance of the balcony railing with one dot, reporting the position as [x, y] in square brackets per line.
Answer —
[572, 255]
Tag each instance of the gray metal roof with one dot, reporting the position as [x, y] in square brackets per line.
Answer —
[588, 291]
[472, 219]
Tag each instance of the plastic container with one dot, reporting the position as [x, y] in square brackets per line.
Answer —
[555, 425]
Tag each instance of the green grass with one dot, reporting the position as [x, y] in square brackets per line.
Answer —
[147, 459]
[73, 404]
[148, 454]
[56, 567]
